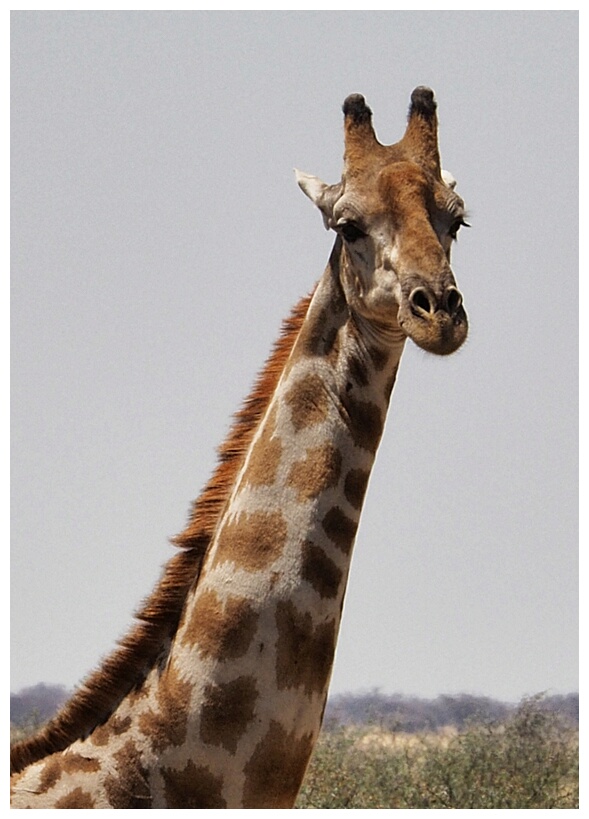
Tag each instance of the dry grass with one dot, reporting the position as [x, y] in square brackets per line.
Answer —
[376, 739]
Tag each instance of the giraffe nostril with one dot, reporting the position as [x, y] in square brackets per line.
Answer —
[453, 300]
[425, 304]
[420, 301]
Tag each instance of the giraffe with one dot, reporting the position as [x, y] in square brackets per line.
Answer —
[216, 696]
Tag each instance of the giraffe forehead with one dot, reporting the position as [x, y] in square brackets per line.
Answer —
[404, 182]
[396, 185]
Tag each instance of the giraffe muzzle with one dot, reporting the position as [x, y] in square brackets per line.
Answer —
[435, 322]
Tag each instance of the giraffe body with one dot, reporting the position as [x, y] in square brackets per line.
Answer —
[225, 706]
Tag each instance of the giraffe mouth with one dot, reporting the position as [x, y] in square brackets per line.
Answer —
[438, 325]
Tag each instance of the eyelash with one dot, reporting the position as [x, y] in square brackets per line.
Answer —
[455, 227]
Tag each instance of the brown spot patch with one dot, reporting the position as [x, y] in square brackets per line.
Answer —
[265, 456]
[275, 771]
[69, 763]
[252, 541]
[355, 486]
[304, 653]
[52, 770]
[168, 725]
[59, 764]
[221, 631]
[358, 371]
[331, 342]
[114, 727]
[193, 787]
[320, 571]
[78, 798]
[340, 529]
[76, 763]
[316, 336]
[319, 470]
[365, 422]
[308, 402]
[129, 786]
[379, 357]
[227, 711]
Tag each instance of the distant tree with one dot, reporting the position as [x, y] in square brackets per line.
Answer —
[566, 705]
[37, 703]
[462, 709]
[412, 714]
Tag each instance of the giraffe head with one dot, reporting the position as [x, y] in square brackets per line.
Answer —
[397, 214]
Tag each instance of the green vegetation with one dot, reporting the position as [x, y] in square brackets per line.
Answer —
[527, 760]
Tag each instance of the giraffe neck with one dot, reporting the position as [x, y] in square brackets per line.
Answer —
[231, 719]
[264, 618]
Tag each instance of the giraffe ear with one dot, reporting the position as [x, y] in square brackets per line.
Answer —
[322, 195]
[448, 180]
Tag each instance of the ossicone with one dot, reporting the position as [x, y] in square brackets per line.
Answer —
[422, 102]
[420, 141]
[355, 107]
[359, 137]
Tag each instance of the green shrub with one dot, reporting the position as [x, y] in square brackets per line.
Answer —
[527, 761]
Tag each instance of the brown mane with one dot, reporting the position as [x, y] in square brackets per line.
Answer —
[138, 652]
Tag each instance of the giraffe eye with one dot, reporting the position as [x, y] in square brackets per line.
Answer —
[455, 227]
[350, 231]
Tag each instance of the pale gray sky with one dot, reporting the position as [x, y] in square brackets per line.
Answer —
[158, 239]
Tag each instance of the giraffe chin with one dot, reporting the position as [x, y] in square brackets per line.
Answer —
[438, 333]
